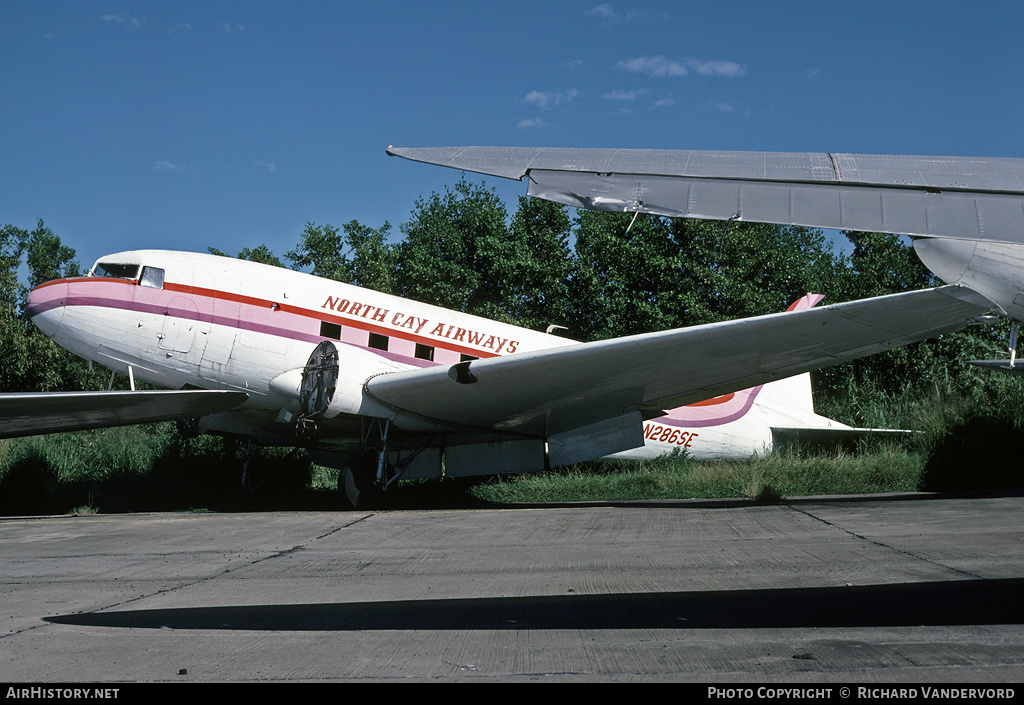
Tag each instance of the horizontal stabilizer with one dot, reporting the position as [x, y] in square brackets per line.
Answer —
[830, 439]
[38, 413]
[1000, 366]
[835, 436]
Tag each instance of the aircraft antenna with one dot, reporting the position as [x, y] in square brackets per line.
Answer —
[635, 214]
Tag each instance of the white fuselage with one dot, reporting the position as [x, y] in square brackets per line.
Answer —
[180, 320]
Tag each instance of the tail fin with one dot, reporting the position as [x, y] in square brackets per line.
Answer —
[793, 392]
[806, 301]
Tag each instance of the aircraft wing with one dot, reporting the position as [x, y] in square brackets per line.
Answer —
[555, 391]
[953, 197]
[36, 413]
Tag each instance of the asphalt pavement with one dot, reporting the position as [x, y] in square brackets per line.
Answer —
[907, 588]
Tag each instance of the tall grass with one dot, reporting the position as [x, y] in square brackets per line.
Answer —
[967, 437]
[887, 468]
[150, 468]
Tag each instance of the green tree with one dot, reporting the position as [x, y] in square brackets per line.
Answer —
[627, 279]
[535, 273]
[645, 274]
[260, 253]
[362, 255]
[12, 248]
[33, 362]
[372, 261]
[321, 252]
[47, 257]
[455, 251]
[881, 264]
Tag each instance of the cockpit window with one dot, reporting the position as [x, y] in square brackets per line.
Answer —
[152, 277]
[117, 271]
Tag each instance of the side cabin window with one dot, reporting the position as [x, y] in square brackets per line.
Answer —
[330, 330]
[115, 270]
[425, 352]
[466, 358]
[153, 277]
[378, 342]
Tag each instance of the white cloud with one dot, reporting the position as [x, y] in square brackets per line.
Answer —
[531, 123]
[621, 95]
[724, 107]
[134, 22]
[164, 165]
[548, 99]
[660, 67]
[604, 11]
[657, 66]
[727, 69]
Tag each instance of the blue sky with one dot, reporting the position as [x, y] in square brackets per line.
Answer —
[187, 124]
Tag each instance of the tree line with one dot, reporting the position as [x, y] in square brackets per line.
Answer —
[595, 275]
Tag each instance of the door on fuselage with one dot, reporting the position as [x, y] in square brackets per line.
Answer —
[221, 333]
[181, 314]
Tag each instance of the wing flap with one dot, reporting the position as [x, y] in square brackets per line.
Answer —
[557, 390]
[952, 214]
[37, 413]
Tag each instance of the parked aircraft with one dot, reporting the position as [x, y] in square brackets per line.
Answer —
[965, 214]
[386, 387]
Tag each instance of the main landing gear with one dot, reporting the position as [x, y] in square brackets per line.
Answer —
[369, 473]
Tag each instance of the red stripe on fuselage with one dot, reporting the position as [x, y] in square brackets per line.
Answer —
[361, 324]
[259, 303]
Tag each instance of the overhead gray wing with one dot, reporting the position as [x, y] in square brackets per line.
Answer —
[37, 413]
[553, 391]
[954, 197]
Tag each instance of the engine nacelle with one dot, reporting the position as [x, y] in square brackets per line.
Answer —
[331, 382]
[990, 268]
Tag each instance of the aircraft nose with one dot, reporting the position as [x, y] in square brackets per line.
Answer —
[46, 306]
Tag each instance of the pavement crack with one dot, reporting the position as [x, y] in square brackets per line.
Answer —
[199, 581]
[888, 547]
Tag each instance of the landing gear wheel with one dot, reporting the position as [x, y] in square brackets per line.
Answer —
[356, 480]
[347, 483]
[188, 428]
